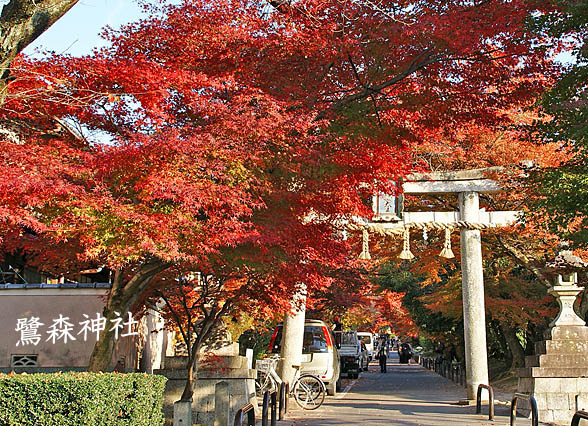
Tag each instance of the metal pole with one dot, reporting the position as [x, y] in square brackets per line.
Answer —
[274, 408]
[265, 408]
[282, 398]
[490, 401]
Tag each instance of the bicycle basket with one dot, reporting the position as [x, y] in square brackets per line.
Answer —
[265, 365]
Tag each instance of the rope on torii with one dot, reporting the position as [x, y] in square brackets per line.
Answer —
[404, 230]
[377, 228]
[390, 219]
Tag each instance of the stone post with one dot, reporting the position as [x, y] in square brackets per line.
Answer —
[292, 338]
[222, 404]
[249, 356]
[153, 352]
[474, 317]
[183, 413]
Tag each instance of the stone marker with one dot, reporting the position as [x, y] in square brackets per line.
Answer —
[222, 404]
[183, 413]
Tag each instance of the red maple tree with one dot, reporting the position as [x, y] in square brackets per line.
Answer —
[232, 125]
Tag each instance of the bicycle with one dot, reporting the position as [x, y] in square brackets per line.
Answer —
[307, 390]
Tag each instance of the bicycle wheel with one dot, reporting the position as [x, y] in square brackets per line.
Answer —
[264, 382]
[309, 392]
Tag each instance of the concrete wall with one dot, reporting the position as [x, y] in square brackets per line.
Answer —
[231, 369]
[47, 304]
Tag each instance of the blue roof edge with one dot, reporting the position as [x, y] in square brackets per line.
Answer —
[10, 286]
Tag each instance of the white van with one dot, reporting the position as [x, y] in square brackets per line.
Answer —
[368, 338]
[319, 353]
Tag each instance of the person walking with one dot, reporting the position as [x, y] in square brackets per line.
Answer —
[382, 358]
[405, 353]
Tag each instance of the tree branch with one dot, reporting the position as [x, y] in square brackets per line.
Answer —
[422, 60]
[147, 270]
[175, 315]
[523, 260]
[21, 22]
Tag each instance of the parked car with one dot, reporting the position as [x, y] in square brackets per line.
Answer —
[319, 353]
[354, 357]
[368, 338]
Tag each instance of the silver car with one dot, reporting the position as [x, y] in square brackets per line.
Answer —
[319, 353]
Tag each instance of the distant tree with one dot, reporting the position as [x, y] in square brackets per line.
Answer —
[564, 191]
[409, 285]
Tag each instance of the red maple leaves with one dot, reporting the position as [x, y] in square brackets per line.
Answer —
[237, 135]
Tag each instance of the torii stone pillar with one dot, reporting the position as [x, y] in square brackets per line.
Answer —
[474, 317]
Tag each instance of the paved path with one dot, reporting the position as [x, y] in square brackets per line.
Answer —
[405, 395]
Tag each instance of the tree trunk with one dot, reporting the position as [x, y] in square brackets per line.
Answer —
[192, 367]
[497, 330]
[194, 355]
[206, 327]
[516, 349]
[104, 348]
[21, 22]
[121, 298]
[102, 353]
[534, 333]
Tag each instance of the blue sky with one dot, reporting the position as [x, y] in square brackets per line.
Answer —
[77, 31]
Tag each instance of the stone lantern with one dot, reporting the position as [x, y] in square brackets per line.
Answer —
[565, 266]
[557, 375]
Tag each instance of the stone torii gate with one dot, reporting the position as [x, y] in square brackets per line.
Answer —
[468, 184]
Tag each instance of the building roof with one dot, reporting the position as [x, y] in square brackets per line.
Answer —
[54, 286]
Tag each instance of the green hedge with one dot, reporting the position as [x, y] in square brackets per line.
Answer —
[74, 399]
